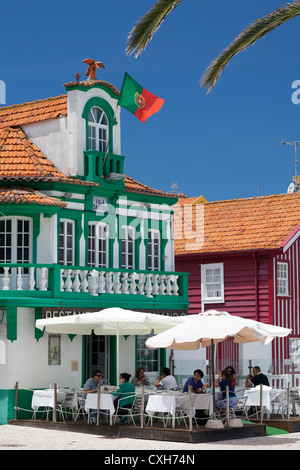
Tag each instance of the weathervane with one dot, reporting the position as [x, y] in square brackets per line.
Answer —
[92, 67]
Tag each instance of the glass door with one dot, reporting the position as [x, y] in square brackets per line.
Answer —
[97, 356]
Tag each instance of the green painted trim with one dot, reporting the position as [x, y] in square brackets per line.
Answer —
[113, 360]
[83, 360]
[38, 316]
[7, 400]
[162, 358]
[151, 198]
[96, 85]
[11, 316]
[109, 111]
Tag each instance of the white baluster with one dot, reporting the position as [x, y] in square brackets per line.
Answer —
[155, 288]
[141, 284]
[162, 286]
[19, 279]
[68, 283]
[101, 282]
[93, 284]
[84, 281]
[76, 282]
[132, 287]
[43, 279]
[117, 284]
[109, 283]
[31, 282]
[125, 284]
[175, 286]
[148, 286]
[169, 285]
[6, 278]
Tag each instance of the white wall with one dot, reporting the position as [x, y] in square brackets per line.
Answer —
[63, 140]
[27, 359]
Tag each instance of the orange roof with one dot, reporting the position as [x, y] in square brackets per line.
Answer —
[258, 223]
[134, 186]
[33, 112]
[21, 160]
[19, 195]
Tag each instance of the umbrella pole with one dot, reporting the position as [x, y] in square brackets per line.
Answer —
[118, 356]
[213, 377]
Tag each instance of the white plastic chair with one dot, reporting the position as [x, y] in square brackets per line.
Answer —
[129, 411]
[241, 406]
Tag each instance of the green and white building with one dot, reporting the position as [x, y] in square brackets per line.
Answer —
[76, 235]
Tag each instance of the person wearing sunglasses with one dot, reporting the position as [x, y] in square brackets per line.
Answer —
[91, 386]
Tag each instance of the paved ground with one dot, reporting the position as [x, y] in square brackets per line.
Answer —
[27, 438]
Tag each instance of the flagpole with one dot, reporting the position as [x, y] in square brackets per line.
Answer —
[110, 131]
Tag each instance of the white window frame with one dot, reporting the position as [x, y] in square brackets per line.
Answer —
[154, 264]
[14, 240]
[282, 278]
[205, 297]
[126, 243]
[97, 252]
[97, 132]
[65, 247]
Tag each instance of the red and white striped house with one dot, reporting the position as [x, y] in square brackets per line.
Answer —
[243, 256]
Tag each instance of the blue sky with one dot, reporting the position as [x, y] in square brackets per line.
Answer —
[223, 145]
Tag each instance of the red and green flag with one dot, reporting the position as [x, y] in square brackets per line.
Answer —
[138, 100]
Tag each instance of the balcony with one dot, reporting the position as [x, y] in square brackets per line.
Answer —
[77, 286]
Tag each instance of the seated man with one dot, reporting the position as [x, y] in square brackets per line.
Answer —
[194, 383]
[166, 380]
[91, 386]
[257, 378]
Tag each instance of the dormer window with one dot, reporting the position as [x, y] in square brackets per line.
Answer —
[97, 129]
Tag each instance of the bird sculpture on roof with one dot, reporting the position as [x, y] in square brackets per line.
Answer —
[92, 67]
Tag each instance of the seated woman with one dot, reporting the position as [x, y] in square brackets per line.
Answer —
[125, 396]
[226, 381]
[140, 378]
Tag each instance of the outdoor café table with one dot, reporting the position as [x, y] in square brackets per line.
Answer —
[45, 398]
[106, 403]
[269, 394]
[165, 403]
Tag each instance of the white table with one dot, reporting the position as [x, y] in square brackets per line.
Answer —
[106, 403]
[268, 395]
[45, 398]
[163, 403]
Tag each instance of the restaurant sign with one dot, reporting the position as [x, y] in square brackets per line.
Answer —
[49, 312]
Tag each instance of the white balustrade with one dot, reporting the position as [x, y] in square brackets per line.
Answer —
[95, 282]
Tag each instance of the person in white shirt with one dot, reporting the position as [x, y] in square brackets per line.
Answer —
[166, 380]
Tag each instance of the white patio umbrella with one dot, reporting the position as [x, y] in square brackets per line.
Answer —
[111, 321]
[211, 327]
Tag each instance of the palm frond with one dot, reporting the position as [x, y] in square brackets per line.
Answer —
[142, 33]
[248, 36]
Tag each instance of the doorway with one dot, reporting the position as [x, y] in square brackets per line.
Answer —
[97, 356]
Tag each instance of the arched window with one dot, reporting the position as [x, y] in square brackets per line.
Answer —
[97, 129]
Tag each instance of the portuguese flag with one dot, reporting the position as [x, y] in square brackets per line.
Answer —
[138, 100]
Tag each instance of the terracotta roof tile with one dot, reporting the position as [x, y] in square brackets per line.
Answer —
[20, 195]
[21, 160]
[257, 223]
[32, 112]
